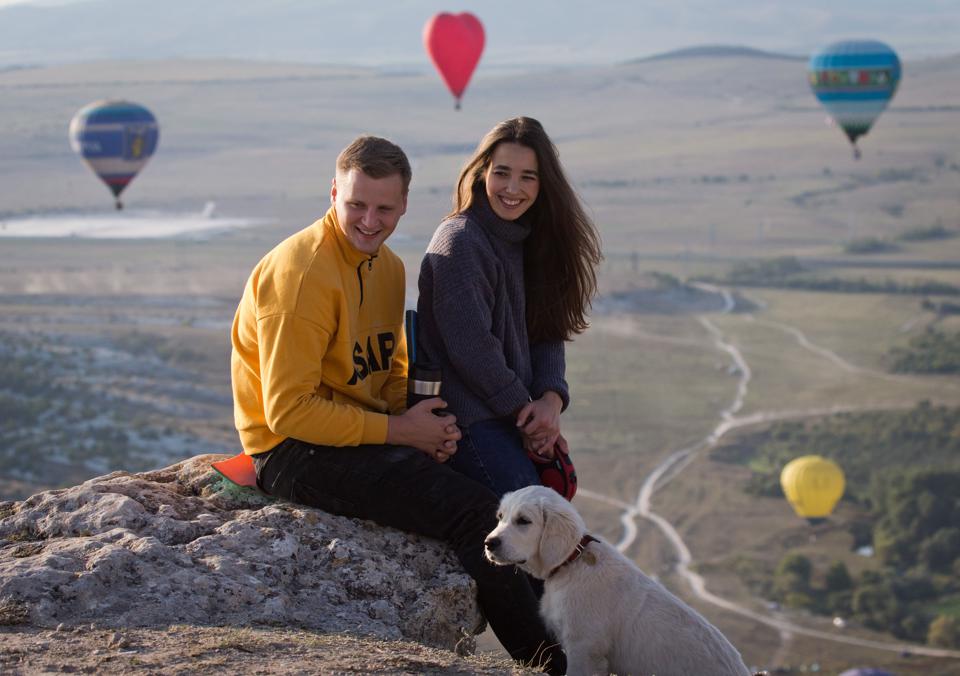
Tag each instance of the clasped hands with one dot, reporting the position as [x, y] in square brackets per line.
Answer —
[434, 434]
[437, 434]
[539, 423]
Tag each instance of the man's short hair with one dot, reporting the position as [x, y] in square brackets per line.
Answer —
[377, 158]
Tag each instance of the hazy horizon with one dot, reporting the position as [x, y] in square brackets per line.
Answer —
[539, 32]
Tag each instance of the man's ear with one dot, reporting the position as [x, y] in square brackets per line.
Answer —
[333, 191]
[403, 209]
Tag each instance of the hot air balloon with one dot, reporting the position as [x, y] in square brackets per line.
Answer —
[115, 139]
[854, 80]
[454, 43]
[813, 485]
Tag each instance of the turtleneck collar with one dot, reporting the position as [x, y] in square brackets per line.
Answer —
[350, 254]
[510, 231]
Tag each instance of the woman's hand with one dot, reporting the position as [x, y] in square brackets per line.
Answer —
[420, 427]
[551, 452]
[539, 423]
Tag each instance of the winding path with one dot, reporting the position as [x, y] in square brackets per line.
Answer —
[673, 464]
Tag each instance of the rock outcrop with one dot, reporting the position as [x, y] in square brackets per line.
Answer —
[182, 545]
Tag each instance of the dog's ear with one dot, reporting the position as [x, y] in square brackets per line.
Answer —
[561, 533]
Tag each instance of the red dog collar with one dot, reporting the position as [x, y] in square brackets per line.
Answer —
[577, 552]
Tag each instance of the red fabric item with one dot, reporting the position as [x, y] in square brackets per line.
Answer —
[239, 469]
[558, 473]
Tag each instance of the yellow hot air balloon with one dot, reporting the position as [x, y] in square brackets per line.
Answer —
[813, 485]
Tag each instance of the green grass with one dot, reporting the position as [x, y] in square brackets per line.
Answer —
[949, 606]
[861, 328]
[636, 394]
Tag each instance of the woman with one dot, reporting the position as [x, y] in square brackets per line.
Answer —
[508, 277]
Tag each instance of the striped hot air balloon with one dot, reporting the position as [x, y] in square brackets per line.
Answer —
[854, 80]
[115, 139]
[813, 485]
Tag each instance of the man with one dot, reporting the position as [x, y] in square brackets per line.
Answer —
[319, 387]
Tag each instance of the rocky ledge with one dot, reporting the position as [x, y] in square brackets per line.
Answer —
[182, 545]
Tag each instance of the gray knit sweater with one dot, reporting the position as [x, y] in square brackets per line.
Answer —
[472, 318]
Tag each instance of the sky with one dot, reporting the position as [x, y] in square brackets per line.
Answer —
[379, 32]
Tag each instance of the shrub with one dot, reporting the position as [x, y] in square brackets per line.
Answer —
[922, 233]
[796, 565]
[940, 551]
[944, 632]
[838, 577]
[798, 600]
[869, 245]
[931, 352]
[840, 603]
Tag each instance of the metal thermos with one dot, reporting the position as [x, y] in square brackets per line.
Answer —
[423, 382]
[423, 379]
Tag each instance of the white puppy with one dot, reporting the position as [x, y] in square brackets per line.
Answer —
[608, 615]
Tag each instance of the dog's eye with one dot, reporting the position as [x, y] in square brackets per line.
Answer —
[522, 521]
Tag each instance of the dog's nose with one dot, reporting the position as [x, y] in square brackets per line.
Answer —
[492, 543]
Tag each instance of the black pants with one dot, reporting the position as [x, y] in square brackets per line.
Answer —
[401, 487]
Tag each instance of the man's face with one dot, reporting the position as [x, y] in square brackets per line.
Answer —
[368, 209]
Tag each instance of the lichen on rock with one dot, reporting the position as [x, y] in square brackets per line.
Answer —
[183, 545]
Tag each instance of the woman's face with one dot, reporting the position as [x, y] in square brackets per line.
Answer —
[512, 180]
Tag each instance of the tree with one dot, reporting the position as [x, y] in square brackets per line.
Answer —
[838, 577]
[840, 602]
[792, 579]
[940, 551]
[913, 587]
[876, 606]
[913, 626]
[797, 565]
[944, 632]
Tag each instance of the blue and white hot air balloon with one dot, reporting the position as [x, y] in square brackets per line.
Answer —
[854, 80]
[115, 139]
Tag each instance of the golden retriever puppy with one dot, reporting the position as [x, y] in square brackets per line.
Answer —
[608, 615]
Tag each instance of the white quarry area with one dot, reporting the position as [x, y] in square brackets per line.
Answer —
[126, 224]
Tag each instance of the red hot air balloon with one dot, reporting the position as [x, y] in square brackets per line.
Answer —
[454, 43]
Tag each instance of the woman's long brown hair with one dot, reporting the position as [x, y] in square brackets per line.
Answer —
[563, 249]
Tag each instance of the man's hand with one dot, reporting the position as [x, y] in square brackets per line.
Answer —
[539, 422]
[435, 435]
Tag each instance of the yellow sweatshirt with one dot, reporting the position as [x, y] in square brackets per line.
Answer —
[318, 347]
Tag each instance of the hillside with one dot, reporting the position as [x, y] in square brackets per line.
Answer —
[717, 52]
[683, 155]
[690, 166]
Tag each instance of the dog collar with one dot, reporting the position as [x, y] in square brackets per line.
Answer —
[576, 553]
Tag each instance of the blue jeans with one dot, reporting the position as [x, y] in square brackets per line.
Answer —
[401, 487]
[491, 452]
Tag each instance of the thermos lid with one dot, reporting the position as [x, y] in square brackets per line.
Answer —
[430, 372]
[424, 380]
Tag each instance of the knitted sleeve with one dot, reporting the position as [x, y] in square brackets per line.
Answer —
[549, 371]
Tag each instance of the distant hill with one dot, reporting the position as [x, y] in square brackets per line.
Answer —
[718, 51]
[532, 33]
